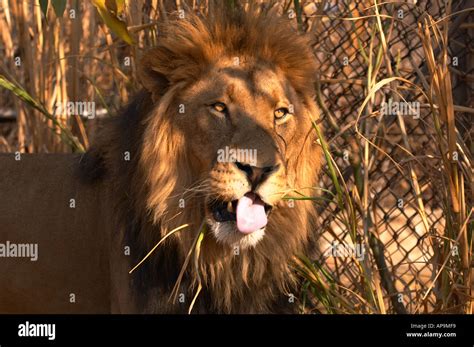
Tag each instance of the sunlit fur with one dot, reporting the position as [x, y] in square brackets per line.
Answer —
[165, 168]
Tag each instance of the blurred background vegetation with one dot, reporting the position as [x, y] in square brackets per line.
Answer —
[399, 185]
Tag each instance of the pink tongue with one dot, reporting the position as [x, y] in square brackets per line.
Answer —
[250, 214]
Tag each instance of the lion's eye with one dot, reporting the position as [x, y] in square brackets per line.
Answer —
[219, 107]
[281, 115]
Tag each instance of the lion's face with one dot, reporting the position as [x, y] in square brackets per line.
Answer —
[244, 126]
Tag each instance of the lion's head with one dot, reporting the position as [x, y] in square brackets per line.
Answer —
[222, 135]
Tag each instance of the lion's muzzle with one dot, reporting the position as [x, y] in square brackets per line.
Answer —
[242, 198]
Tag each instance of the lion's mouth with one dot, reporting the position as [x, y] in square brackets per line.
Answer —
[250, 212]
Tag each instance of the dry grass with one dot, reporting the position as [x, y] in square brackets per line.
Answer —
[63, 59]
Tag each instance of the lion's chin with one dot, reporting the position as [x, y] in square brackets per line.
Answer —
[228, 234]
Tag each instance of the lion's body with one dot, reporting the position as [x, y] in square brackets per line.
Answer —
[235, 80]
[73, 243]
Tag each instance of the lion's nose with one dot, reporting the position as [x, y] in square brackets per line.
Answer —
[256, 175]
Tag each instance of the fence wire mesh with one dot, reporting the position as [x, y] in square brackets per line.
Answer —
[409, 246]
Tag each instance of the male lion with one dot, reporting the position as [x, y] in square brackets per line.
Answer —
[221, 134]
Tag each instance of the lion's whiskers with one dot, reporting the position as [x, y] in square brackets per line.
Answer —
[200, 186]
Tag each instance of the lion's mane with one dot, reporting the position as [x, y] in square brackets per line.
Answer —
[148, 187]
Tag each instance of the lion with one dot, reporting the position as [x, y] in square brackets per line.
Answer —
[185, 195]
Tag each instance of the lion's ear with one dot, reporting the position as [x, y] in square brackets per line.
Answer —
[151, 74]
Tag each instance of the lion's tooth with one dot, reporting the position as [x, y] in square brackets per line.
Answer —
[229, 207]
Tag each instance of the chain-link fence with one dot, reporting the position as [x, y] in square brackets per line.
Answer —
[404, 166]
